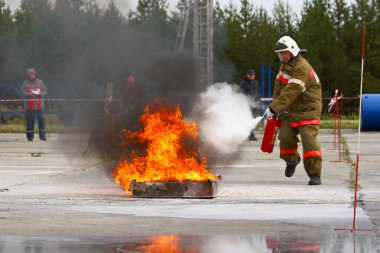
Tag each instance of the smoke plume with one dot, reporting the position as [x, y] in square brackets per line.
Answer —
[225, 118]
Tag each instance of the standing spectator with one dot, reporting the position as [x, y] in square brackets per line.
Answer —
[250, 87]
[33, 90]
[129, 95]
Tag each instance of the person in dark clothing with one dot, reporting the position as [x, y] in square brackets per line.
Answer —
[129, 96]
[34, 90]
[250, 87]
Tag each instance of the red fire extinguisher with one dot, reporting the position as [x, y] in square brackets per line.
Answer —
[270, 135]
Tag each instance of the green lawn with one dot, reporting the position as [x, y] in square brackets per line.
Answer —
[350, 121]
[17, 125]
[345, 124]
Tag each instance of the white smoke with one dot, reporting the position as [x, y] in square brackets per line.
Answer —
[225, 117]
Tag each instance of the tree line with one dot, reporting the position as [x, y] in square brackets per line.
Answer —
[79, 43]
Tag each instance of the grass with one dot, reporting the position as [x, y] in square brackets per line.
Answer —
[345, 124]
[18, 125]
[328, 116]
[346, 157]
[20, 128]
[350, 121]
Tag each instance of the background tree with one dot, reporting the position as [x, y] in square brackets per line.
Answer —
[7, 42]
[366, 14]
[152, 15]
[284, 19]
[316, 34]
[77, 44]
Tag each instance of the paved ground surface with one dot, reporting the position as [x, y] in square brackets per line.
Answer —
[369, 173]
[54, 200]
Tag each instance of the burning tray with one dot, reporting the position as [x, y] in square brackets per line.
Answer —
[188, 189]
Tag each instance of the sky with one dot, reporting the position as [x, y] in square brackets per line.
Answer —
[126, 5]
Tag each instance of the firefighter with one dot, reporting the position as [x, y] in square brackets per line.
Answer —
[250, 87]
[297, 98]
[129, 95]
[34, 90]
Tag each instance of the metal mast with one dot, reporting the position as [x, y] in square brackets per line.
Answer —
[202, 35]
[203, 38]
[183, 22]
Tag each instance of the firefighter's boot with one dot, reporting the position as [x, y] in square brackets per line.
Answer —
[291, 167]
[30, 135]
[42, 135]
[252, 136]
[315, 180]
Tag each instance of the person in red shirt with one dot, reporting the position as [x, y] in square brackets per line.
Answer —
[34, 90]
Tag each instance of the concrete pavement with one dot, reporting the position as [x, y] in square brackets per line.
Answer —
[369, 173]
[48, 190]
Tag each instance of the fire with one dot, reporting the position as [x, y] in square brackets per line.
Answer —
[172, 149]
[167, 244]
[163, 244]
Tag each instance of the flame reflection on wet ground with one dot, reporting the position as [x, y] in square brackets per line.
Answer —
[331, 241]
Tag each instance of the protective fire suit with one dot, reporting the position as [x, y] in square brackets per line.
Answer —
[298, 96]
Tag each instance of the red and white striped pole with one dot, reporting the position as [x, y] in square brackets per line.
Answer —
[335, 117]
[340, 103]
[360, 119]
[353, 229]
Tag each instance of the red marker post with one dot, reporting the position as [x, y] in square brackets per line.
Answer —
[353, 229]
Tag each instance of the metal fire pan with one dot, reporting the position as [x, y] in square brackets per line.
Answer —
[188, 189]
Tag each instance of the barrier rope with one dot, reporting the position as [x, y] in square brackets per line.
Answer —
[114, 99]
[344, 98]
[55, 99]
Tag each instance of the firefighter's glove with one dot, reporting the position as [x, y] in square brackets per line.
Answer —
[268, 113]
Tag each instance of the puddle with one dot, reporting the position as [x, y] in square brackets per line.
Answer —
[323, 241]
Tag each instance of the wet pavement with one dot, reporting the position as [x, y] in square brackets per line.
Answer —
[54, 200]
[369, 174]
[305, 242]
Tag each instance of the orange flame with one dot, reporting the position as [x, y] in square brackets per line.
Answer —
[170, 153]
[167, 244]
[162, 244]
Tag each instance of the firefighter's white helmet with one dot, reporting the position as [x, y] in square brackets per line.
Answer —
[286, 43]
